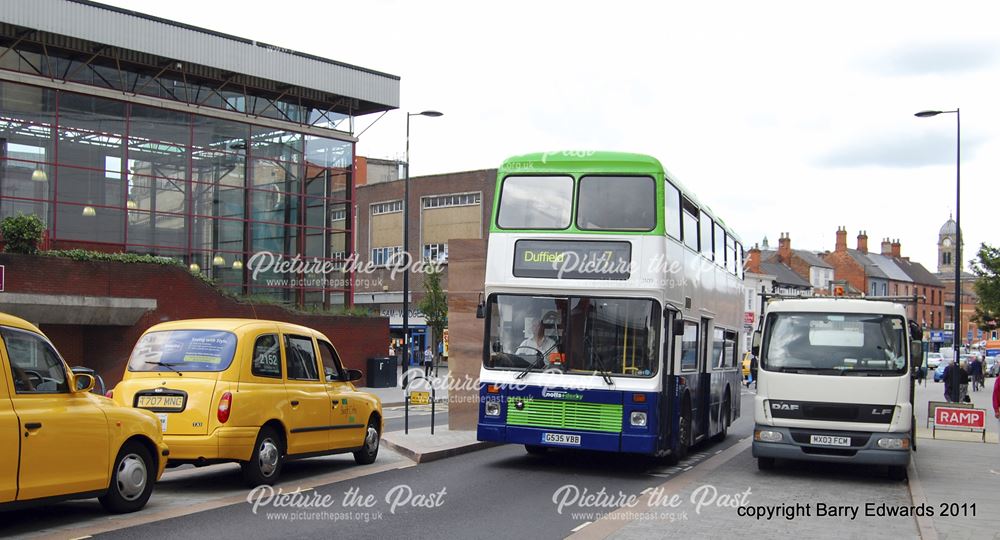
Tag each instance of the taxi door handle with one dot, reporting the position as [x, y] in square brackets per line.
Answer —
[335, 403]
[295, 403]
[33, 425]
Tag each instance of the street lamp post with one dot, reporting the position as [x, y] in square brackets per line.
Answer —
[406, 240]
[957, 317]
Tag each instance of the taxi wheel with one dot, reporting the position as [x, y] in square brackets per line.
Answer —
[369, 451]
[265, 463]
[132, 480]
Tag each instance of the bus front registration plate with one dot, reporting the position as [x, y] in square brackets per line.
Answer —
[561, 438]
[827, 440]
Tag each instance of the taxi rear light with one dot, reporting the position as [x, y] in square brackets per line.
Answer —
[109, 394]
[225, 405]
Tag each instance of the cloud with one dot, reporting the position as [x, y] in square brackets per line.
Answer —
[900, 151]
[934, 59]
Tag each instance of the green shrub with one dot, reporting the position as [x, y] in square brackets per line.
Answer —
[22, 233]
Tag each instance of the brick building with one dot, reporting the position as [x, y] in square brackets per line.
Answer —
[442, 207]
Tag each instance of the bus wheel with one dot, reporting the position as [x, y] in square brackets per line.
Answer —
[536, 450]
[765, 463]
[684, 434]
[724, 420]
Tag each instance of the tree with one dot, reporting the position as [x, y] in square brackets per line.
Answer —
[434, 305]
[22, 233]
[986, 266]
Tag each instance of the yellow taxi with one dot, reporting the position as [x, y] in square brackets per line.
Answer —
[250, 391]
[58, 440]
[746, 364]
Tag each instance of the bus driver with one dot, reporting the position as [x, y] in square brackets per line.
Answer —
[537, 342]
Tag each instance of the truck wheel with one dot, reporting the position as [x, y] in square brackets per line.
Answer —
[132, 480]
[897, 473]
[765, 463]
[268, 456]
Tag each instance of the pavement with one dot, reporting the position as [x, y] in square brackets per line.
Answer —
[394, 396]
[422, 446]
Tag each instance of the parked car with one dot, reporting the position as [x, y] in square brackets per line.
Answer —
[250, 391]
[98, 388]
[60, 441]
[992, 366]
[939, 371]
[934, 360]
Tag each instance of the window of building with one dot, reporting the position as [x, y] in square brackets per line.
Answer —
[462, 199]
[390, 207]
[384, 256]
[436, 252]
[338, 215]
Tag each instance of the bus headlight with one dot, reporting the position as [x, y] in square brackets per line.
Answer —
[893, 444]
[492, 408]
[638, 419]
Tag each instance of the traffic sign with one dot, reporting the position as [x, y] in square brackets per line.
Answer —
[420, 398]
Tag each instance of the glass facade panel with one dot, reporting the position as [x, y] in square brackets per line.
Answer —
[202, 190]
[90, 223]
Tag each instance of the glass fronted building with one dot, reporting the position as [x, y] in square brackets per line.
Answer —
[136, 134]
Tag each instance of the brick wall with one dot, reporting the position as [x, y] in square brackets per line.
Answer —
[178, 294]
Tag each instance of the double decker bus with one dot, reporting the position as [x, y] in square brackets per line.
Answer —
[613, 309]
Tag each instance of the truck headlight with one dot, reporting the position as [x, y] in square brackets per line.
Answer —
[893, 444]
[492, 408]
[638, 419]
[765, 435]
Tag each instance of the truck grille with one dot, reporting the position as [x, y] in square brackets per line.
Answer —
[565, 414]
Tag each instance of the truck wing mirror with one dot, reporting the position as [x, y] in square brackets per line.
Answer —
[755, 344]
[916, 353]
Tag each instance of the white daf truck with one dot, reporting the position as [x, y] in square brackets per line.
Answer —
[835, 383]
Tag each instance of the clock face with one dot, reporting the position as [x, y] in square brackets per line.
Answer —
[946, 242]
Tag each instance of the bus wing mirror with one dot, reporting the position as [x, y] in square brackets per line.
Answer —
[755, 345]
[678, 327]
[481, 308]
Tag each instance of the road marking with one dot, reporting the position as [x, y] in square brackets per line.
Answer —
[610, 524]
[150, 516]
[580, 526]
[994, 472]
[81, 537]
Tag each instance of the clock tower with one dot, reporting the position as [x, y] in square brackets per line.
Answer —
[947, 238]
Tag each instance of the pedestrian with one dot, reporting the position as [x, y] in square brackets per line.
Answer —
[753, 372]
[428, 361]
[996, 399]
[975, 369]
[951, 383]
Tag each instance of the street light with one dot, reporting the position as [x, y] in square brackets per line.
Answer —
[406, 239]
[957, 317]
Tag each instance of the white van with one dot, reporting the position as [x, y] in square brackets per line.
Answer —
[835, 383]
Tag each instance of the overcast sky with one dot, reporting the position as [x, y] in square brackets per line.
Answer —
[782, 116]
